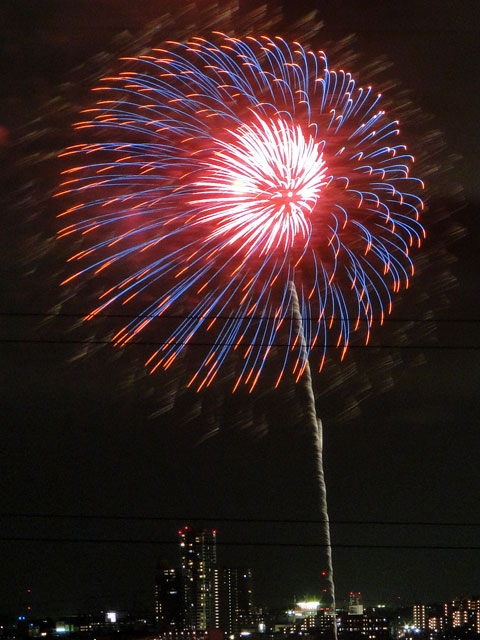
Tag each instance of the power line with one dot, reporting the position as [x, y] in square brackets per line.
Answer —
[240, 544]
[62, 314]
[84, 516]
[155, 343]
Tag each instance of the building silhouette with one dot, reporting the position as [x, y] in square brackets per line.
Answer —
[169, 610]
[200, 596]
[236, 607]
[199, 579]
[419, 615]
[457, 618]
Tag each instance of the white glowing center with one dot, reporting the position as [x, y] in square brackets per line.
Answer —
[259, 188]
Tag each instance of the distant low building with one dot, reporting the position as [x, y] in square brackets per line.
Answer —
[374, 626]
[435, 621]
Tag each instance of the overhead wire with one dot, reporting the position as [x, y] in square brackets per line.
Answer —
[159, 343]
[243, 520]
[50, 539]
[68, 314]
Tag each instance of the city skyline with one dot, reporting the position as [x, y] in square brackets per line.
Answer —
[234, 613]
[199, 590]
[201, 593]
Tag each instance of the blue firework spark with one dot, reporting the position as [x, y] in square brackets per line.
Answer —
[217, 174]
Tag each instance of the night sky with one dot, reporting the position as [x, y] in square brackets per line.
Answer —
[86, 432]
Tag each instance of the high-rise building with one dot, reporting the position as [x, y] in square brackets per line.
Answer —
[419, 616]
[169, 612]
[236, 607]
[200, 579]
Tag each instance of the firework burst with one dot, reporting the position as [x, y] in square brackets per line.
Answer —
[219, 173]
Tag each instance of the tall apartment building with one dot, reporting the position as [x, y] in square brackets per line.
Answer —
[199, 596]
[419, 616]
[236, 607]
[200, 579]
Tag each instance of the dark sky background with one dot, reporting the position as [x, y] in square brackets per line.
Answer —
[90, 435]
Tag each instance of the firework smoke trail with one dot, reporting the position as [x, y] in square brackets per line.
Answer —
[316, 431]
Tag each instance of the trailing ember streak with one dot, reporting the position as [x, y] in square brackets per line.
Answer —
[315, 431]
[215, 174]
